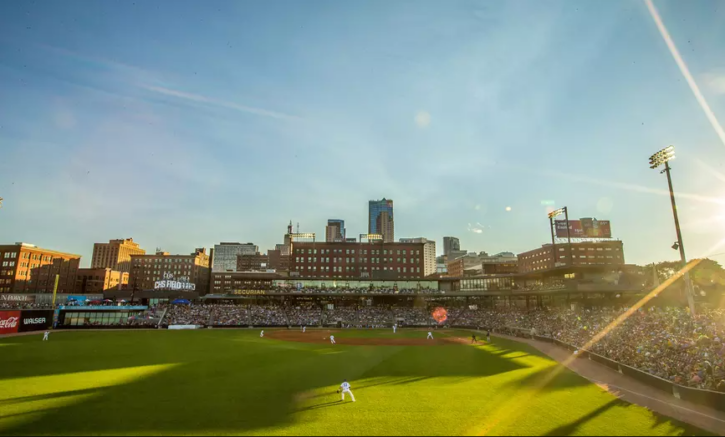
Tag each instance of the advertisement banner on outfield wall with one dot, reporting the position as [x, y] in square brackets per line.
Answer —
[24, 298]
[584, 228]
[35, 321]
[9, 322]
[182, 327]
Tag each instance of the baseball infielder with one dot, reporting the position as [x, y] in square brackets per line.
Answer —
[345, 388]
[261, 334]
[395, 328]
[304, 329]
[332, 340]
[430, 336]
[46, 336]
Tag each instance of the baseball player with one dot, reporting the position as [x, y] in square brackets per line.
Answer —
[430, 336]
[304, 329]
[261, 334]
[345, 388]
[395, 328]
[46, 336]
[474, 339]
[488, 336]
[332, 340]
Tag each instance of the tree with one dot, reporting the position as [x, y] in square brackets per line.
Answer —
[706, 274]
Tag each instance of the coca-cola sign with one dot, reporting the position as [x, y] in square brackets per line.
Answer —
[9, 322]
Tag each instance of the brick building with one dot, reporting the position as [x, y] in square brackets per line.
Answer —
[149, 272]
[483, 264]
[278, 261]
[25, 268]
[96, 281]
[579, 254]
[504, 268]
[115, 255]
[241, 282]
[455, 268]
[225, 255]
[252, 263]
[429, 253]
[358, 260]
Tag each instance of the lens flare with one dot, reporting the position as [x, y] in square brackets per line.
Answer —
[440, 315]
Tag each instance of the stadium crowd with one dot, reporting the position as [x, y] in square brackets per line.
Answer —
[24, 306]
[665, 342]
[296, 315]
[351, 290]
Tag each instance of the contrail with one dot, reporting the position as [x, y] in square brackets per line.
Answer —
[685, 71]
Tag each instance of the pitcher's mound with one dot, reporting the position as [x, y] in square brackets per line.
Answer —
[323, 337]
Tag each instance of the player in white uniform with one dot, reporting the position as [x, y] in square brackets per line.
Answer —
[46, 336]
[430, 336]
[395, 329]
[261, 334]
[332, 339]
[304, 329]
[345, 388]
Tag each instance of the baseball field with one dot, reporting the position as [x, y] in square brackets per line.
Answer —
[232, 382]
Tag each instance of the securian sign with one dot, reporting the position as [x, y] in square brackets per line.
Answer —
[169, 283]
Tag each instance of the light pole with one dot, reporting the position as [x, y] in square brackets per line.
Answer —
[552, 215]
[664, 156]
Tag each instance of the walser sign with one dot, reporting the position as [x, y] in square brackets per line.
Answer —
[35, 320]
[12, 322]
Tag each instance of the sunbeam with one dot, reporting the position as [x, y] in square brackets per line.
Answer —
[515, 407]
[685, 71]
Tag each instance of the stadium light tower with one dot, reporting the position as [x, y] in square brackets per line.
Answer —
[552, 216]
[664, 156]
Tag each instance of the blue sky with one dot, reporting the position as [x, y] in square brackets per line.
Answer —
[186, 123]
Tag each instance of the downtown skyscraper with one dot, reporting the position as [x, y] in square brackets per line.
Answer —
[380, 214]
[335, 231]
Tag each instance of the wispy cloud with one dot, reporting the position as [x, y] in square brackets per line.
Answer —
[715, 82]
[120, 70]
[220, 103]
[476, 228]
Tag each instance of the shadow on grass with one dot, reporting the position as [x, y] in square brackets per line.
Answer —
[223, 387]
[43, 397]
[326, 405]
[556, 377]
[572, 427]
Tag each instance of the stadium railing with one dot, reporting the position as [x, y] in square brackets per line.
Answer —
[698, 396]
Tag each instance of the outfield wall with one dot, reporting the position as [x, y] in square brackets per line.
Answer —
[13, 322]
[697, 396]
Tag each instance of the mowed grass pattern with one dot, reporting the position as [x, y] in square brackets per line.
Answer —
[231, 382]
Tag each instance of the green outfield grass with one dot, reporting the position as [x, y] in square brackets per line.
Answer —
[233, 382]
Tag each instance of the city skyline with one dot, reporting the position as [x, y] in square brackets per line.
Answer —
[475, 118]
